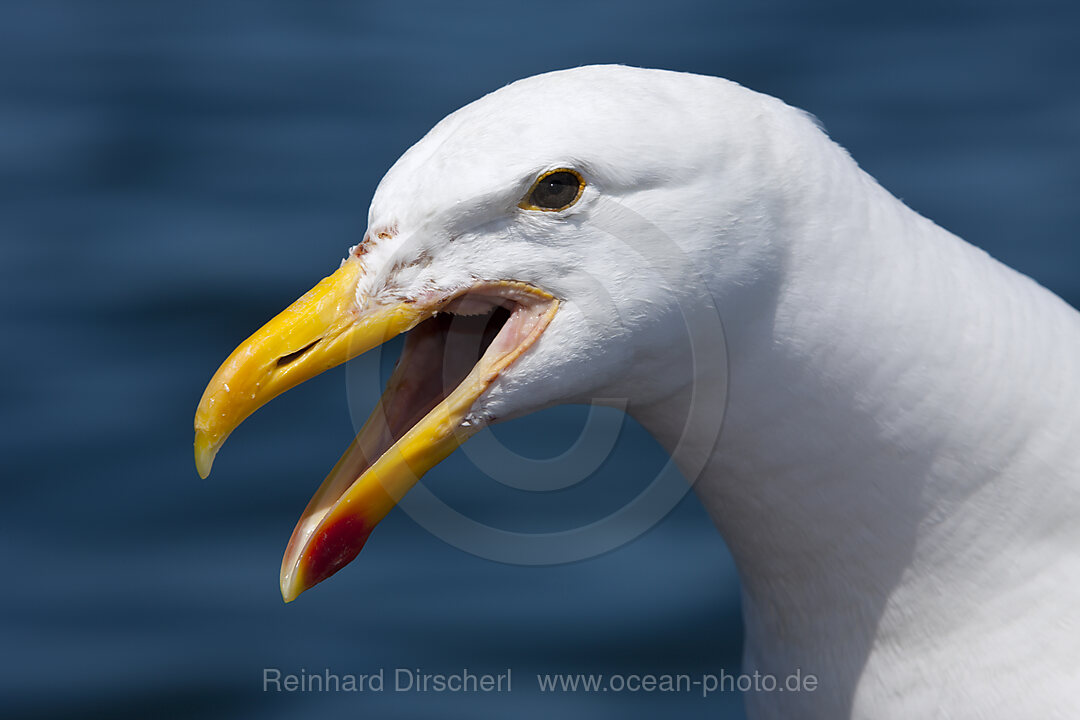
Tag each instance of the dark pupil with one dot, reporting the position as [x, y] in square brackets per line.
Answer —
[556, 190]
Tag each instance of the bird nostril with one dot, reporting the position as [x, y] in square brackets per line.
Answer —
[286, 359]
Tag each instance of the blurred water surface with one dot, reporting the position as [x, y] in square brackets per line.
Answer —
[172, 174]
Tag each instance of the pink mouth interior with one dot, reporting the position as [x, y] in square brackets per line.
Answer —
[477, 328]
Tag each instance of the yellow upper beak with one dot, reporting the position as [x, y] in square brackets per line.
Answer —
[322, 329]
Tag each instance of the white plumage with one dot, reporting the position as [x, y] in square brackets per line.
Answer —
[897, 474]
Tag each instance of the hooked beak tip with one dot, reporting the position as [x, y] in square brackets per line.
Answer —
[205, 451]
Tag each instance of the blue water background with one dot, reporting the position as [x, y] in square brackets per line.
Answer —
[172, 174]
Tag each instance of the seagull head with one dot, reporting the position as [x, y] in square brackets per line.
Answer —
[538, 247]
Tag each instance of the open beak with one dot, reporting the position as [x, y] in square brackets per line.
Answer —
[458, 345]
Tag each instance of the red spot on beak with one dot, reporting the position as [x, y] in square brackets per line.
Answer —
[333, 547]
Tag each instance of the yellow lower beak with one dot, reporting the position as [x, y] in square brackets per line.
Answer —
[322, 329]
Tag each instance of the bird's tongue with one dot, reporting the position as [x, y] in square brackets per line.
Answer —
[420, 419]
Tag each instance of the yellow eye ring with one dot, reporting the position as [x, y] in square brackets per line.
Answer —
[554, 190]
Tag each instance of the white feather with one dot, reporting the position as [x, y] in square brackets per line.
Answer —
[897, 474]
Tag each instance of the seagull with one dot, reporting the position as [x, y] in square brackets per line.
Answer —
[881, 419]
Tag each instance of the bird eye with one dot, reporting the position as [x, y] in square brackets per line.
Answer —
[554, 190]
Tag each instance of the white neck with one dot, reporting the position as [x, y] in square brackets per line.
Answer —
[896, 476]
